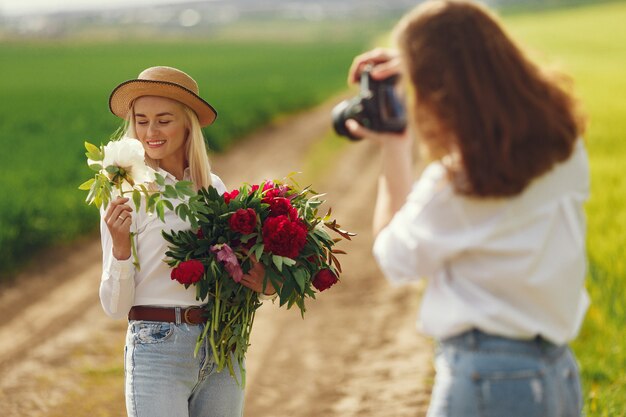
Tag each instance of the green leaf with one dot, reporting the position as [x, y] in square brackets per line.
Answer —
[278, 261]
[288, 261]
[137, 199]
[300, 276]
[86, 186]
[93, 152]
[152, 201]
[185, 188]
[182, 211]
[160, 210]
[259, 250]
[95, 167]
[160, 179]
[112, 169]
[168, 204]
[170, 192]
[93, 194]
[286, 291]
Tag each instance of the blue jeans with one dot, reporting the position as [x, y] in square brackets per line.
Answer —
[163, 378]
[480, 375]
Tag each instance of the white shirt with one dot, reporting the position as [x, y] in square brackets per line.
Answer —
[513, 267]
[122, 286]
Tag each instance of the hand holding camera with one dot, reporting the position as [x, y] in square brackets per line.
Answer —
[377, 107]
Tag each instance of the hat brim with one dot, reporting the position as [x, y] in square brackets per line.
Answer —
[123, 95]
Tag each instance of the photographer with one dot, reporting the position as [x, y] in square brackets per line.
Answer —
[495, 223]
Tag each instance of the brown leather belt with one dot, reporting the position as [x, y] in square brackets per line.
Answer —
[178, 315]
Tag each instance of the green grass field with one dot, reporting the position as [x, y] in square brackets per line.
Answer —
[589, 43]
[54, 96]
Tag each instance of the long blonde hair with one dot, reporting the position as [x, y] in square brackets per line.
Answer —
[195, 146]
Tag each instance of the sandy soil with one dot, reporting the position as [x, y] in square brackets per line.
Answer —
[356, 353]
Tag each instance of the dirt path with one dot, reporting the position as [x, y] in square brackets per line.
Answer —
[356, 353]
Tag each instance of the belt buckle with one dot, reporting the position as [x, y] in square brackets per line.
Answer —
[186, 311]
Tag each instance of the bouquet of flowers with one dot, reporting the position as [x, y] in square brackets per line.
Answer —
[121, 169]
[273, 223]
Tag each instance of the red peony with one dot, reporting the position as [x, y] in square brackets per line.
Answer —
[243, 221]
[229, 196]
[269, 195]
[188, 272]
[281, 206]
[284, 237]
[324, 279]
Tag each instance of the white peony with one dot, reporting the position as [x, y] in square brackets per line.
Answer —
[129, 156]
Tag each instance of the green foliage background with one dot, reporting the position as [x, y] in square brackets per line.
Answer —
[590, 44]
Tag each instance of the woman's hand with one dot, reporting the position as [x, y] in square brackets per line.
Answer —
[402, 141]
[118, 220]
[386, 63]
[396, 149]
[254, 279]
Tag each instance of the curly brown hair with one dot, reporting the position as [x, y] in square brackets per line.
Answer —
[477, 96]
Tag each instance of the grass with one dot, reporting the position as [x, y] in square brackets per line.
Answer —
[590, 43]
[54, 97]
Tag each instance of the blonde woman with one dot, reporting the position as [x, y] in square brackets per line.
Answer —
[495, 223]
[163, 110]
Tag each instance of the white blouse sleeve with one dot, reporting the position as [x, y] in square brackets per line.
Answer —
[218, 184]
[117, 287]
[424, 233]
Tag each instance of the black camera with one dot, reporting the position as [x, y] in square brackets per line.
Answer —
[377, 107]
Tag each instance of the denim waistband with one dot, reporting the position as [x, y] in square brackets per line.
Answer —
[480, 341]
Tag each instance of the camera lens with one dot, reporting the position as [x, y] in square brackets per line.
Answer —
[347, 109]
[376, 107]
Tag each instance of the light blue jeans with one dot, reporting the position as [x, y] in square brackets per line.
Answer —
[163, 378]
[479, 375]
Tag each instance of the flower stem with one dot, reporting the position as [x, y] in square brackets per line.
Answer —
[133, 249]
[214, 322]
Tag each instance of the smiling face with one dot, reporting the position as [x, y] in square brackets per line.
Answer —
[161, 126]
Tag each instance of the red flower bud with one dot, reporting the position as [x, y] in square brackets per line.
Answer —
[228, 196]
[324, 279]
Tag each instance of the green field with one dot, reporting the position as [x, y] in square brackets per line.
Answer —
[54, 97]
[590, 44]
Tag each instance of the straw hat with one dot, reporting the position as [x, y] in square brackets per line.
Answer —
[162, 82]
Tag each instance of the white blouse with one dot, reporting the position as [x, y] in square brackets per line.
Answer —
[513, 267]
[122, 286]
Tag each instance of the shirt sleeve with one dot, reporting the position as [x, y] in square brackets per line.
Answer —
[218, 184]
[424, 233]
[117, 286]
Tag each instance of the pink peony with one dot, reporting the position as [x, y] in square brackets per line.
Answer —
[226, 255]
